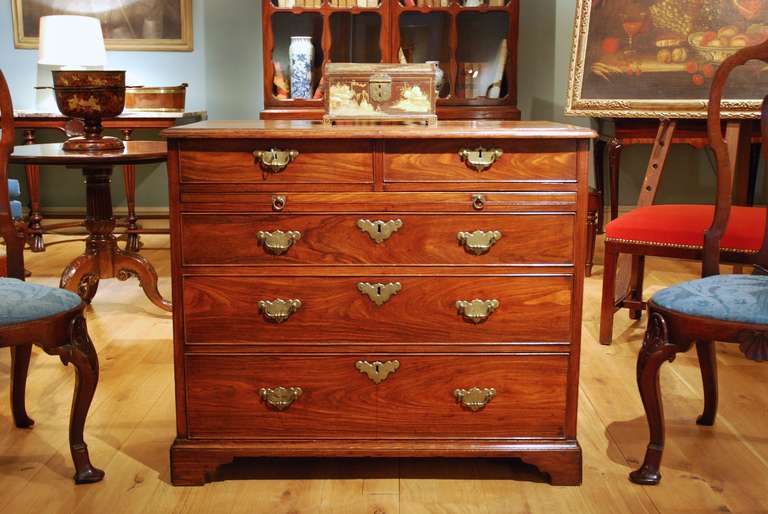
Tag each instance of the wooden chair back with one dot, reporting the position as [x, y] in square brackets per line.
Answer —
[718, 143]
[10, 233]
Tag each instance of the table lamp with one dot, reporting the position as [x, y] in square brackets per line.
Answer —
[74, 42]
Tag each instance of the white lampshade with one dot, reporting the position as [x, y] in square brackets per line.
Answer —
[71, 41]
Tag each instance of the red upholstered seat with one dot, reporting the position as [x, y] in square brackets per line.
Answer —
[684, 226]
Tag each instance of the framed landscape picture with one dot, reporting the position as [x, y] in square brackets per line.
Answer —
[656, 58]
[127, 24]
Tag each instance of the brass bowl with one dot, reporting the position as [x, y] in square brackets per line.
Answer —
[90, 95]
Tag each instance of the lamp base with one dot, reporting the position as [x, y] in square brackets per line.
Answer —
[100, 144]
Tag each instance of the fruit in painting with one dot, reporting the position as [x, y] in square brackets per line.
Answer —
[610, 45]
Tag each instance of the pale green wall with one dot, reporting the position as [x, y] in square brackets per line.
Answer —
[224, 72]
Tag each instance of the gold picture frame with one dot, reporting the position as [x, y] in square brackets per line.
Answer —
[628, 61]
[147, 25]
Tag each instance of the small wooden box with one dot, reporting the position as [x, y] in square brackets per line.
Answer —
[380, 92]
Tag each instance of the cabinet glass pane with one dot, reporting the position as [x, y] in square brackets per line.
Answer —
[284, 27]
[482, 54]
[355, 37]
[424, 37]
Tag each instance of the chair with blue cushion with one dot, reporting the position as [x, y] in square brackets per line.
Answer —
[725, 308]
[48, 317]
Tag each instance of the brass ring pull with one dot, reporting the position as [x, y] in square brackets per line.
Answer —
[278, 202]
[478, 242]
[478, 202]
[377, 371]
[278, 242]
[480, 159]
[477, 311]
[379, 293]
[274, 160]
[379, 231]
[474, 399]
[280, 398]
[278, 311]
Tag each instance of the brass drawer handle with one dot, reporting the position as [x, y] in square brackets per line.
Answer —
[478, 202]
[278, 311]
[280, 398]
[274, 160]
[377, 371]
[380, 231]
[379, 293]
[477, 311]
[278, 242]
[478, 242]
[474, 399]
[480, 159]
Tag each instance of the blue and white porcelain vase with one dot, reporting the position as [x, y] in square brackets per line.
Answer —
[301, 53]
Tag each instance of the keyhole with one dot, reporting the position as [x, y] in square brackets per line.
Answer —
[378, 290]
[378, 228]
[377, 368]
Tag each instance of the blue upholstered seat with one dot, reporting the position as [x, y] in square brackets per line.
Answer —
[21, 301]
[740, 298]
[14, 192]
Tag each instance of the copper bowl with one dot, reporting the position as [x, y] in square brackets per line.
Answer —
[90, 95]
[156, 99]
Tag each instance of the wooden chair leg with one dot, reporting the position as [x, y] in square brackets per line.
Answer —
[636, 284]
[20, 365]
[657, 349]
[607, 304]
[81, 353]
[708, 364]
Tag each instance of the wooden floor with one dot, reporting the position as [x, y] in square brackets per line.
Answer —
[131, 426]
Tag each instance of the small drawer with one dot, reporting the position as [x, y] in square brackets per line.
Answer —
[285, 310]
[377, 238]
[478, 161]
[296, 162]
[376, 396]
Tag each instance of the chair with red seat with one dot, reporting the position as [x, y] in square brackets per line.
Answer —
[724, 308]
[675, 231]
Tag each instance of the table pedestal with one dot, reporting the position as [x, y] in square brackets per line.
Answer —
[102, 257]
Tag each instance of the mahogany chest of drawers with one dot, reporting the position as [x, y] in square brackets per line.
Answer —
[377, 291]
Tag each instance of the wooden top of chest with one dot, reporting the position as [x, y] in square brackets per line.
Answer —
[287, 129]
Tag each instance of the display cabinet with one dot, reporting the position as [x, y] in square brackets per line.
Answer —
[474, 43]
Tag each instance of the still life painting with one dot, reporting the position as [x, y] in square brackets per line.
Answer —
[127, 24]
[657, 58]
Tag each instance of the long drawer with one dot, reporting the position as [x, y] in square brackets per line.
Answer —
[336, 397]
[377, 238]
[408, 309]
[507, 161]
[315, 162]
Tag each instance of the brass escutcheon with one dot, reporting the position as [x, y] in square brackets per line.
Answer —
[274, 160]
[377, 371]
[474, 399]
[477, 311]
[380, 87]
[278, 311]
[379, 293]
[280, 398]
[379, 231]
[278, 242]
[478, 242]
[278, 202]
[480, 159]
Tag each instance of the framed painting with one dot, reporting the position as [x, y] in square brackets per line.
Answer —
[160, 25]
[656, 58]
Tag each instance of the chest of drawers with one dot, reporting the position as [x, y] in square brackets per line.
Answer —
[375, 291]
